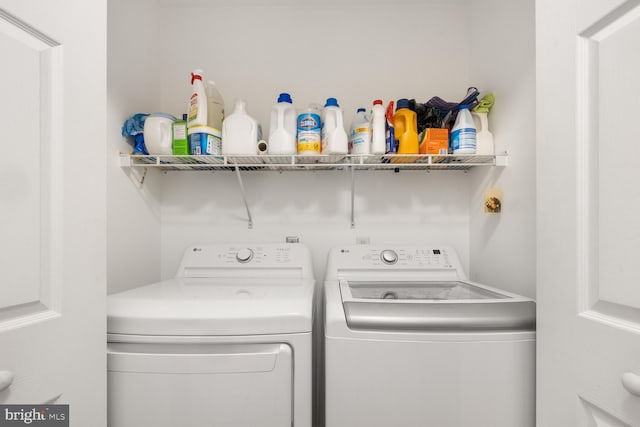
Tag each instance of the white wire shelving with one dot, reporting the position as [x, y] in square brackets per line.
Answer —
[296, 162]
[282, 163]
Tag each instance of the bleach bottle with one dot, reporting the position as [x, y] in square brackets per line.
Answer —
[463, 133]
[197, 115]
[360, 135]
[334, 137]
[283, 127]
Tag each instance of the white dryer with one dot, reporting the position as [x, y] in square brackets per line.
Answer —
[410, 342]
[225, 343]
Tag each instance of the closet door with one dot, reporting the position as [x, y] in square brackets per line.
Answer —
[52, 205]
[588, 212]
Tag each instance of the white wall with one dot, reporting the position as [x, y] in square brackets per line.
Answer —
[350, 51]
[355, 51]
[133, 86]
[502, 246]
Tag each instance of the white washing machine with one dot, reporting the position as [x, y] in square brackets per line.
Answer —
[225, 343]
[410, 342]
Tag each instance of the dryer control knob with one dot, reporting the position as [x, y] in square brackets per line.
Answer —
[244, 255]
[388, 256]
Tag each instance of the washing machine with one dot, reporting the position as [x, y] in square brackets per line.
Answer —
[411, 342]
[227, 342]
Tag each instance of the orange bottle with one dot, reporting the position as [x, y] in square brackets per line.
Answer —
[405, 123]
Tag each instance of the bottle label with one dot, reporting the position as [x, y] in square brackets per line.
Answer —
[193, 107]
[360, 140]
[180, 131]
[463, 139]
[309, 134]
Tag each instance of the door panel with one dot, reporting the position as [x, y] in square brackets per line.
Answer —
[588, 210]
[52, 198]
[29, 176]
[595, 417]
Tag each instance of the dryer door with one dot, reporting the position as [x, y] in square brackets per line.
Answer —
[198, 385]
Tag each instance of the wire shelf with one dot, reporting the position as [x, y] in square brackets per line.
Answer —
[296, 162]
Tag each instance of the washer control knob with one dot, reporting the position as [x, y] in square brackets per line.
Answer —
[244, 255]
[388, 256]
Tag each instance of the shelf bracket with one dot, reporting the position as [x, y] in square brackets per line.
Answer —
[353, 196]
[244, 197]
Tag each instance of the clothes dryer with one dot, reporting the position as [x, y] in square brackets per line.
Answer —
[226, 342]
[410, 341]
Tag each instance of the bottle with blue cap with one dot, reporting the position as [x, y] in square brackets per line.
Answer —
[334, 137]
[283, 127]
[463, 133]
[360, 135]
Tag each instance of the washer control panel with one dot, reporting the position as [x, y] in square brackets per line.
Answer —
[389, 257]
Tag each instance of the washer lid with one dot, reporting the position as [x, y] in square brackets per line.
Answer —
[437, 306]
[213, 307]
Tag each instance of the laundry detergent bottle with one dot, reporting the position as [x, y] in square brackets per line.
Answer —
[197, 115]
[334, 137]
[240, 132]
[405, 123]
[283, 126]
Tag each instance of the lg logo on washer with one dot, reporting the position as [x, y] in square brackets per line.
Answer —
[37, 415]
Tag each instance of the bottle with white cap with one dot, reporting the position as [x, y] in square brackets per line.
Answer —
[240, 132]
[283, 127]
[378, 123]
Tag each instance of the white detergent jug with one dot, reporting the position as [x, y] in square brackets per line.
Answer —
[240, 132]
[360, 135]
[484, 138]
[463, 133]
[283, 126]
[334, 137]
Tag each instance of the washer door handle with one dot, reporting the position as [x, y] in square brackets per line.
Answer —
[631, 383]
[6, 378]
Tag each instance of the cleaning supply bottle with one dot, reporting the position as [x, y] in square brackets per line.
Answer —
[391, 143]
[360, 135]
[283, 127]
[406, 128]
[378, 124]
[309, 131]
[198, 102]
[484, 138]
[215, 106]
[240, 132]
[334, 137]
[179, 138]
[463, 133]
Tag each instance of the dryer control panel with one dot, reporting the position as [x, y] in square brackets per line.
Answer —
[209, 260]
